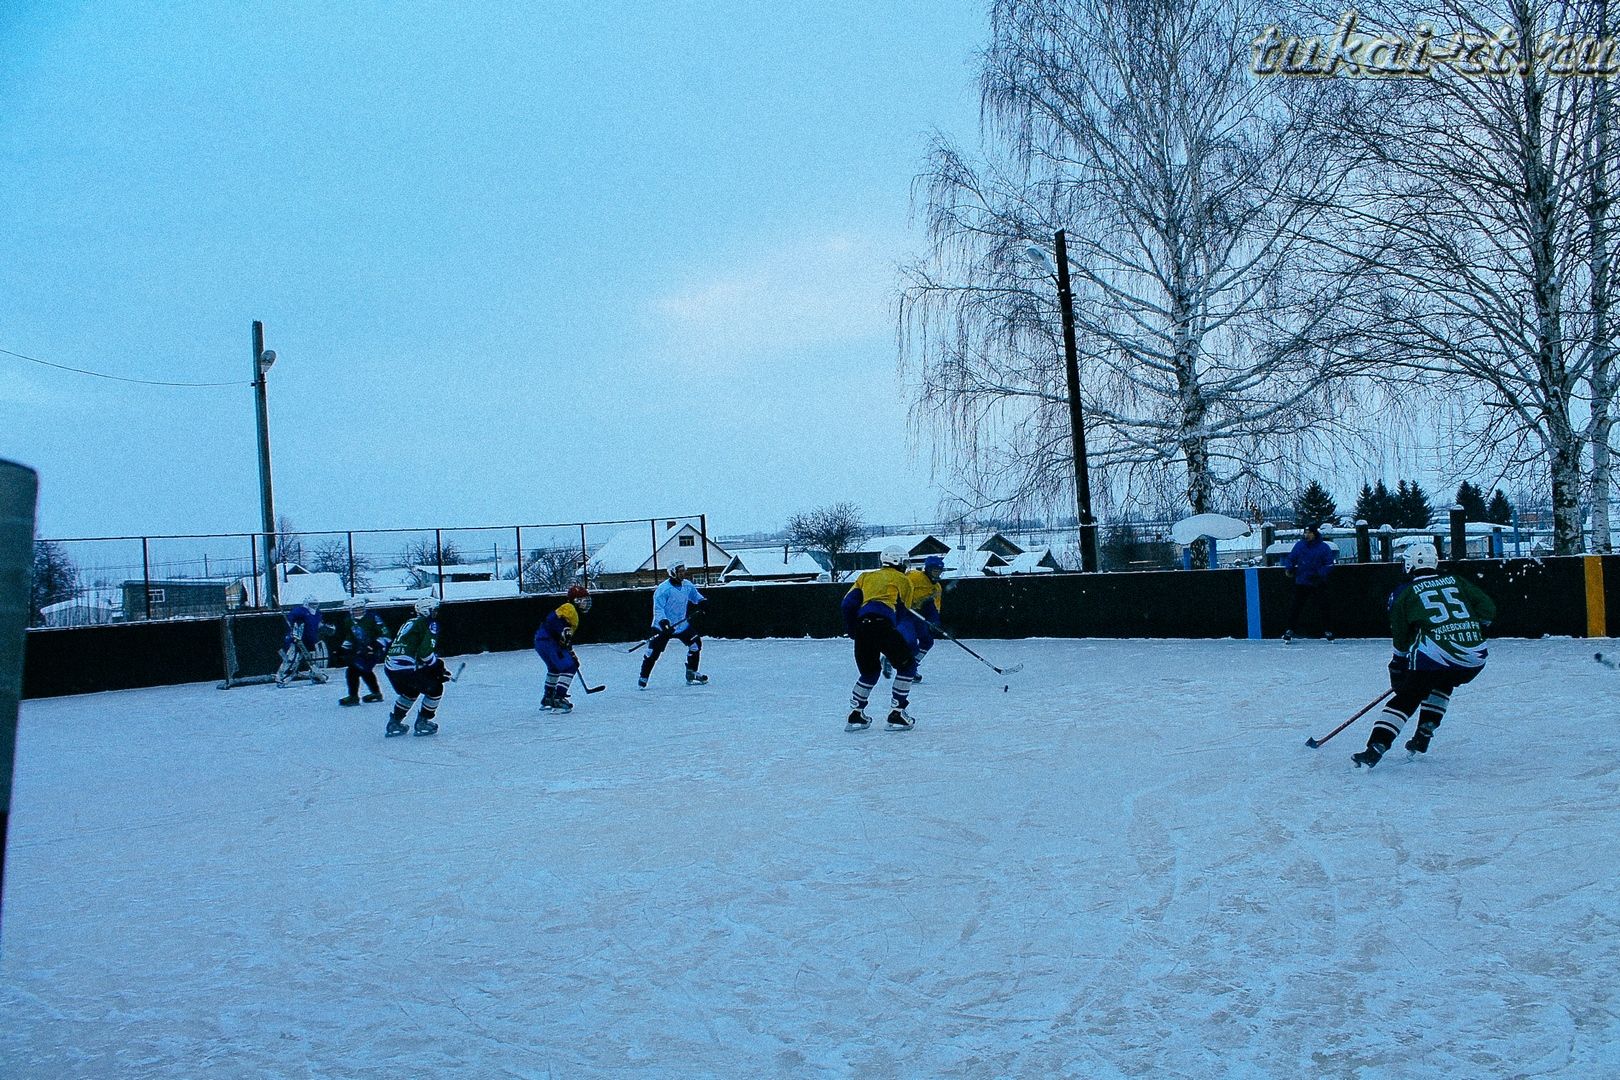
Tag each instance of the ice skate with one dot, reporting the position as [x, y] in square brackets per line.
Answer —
[1368, 757]
[900, 720]
[1419, 742]
[348, 700]
[424, 726]
[858, 721]
[394, 727]
[372, 698]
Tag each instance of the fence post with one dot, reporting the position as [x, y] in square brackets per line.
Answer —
[253, 558]
[1496, 542]
[652, 523]
[1459, 534]
[584, 559]
[146, 576]
[517, 538]
[1386, 543]
[1268, 536]
[1363, 541]
[703, 535]
[352, 589]
[438, 558]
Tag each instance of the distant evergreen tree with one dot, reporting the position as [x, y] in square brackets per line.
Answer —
[1500, 512]
[1366, 506]
[1377, 505]
[1314, 505]
[1412, 509]
[1472, 501]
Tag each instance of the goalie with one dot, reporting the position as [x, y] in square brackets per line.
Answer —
[303, 652]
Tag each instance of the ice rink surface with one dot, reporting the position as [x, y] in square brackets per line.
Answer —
[1129, 864]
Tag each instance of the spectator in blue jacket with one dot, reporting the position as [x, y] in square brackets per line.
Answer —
[1309, 564]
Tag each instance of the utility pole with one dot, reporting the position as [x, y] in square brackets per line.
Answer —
[262, 360]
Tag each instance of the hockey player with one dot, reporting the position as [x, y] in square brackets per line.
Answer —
[676, 604]
[927, 598]
[873, 609]
[1437, 622]
[366, 644]
[1309, 563]
[299, 645]
[415, 670]
[554, 641]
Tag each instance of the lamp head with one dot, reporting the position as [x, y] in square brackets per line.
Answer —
[266, 358]
[1038, 255]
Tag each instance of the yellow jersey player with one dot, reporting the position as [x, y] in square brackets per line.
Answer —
[874, 609]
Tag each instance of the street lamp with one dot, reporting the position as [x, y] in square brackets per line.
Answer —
[1077, 423]
[262, 359]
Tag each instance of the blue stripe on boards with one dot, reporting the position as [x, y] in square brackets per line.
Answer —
[1251, 596]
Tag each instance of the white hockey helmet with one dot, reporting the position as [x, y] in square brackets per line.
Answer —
[1421, 557]
[677, 571]
[357, 605]
[893, 555]
[427, 605]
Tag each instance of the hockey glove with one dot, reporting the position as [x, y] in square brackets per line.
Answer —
[665, 626]
[1398, 667]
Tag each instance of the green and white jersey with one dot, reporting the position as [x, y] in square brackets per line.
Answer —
[1439, 622]
[416, 646]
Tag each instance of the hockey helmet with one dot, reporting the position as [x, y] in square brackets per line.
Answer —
[427, 605]
[677, 571]
[1420, 557]
[934, 566]
[357, 606]
[580, 597]
[893, 555]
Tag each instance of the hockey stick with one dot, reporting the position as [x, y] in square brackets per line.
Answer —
[589, 689]
[456, 675]
[1370, 706]
[1607, 661]
[1015, 669]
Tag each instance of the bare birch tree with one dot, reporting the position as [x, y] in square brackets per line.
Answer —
[1188, 190]
[1484, 213]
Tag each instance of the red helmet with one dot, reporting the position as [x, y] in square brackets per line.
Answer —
[578, 592]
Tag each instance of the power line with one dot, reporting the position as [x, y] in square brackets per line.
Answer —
[115, 378]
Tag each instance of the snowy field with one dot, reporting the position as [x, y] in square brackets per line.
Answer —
[1130, 864]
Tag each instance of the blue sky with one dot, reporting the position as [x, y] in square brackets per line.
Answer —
[519, 262]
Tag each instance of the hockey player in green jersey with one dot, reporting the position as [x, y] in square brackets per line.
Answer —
[1437, 622]
[415, 670]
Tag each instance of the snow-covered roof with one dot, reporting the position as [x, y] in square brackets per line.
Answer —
[479, 590]
[771, 562]
[1034, 561]
[910, 541]
[631, 550]
[312, 589]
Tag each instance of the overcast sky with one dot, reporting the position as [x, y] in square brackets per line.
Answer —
[520, 262]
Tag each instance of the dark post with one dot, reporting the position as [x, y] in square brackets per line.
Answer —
[253, 559]
[1459, 534]
[1363, 541]
[1268, 536]
[146, 575]
[19, 496]
[267, 500]
[584, 559]
[1386, 543]
[438, 558]
[703, 537]
[652, 524]
[350, 535]
[1077, 423]
[517, 538]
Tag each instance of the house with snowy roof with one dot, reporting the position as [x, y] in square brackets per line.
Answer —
[774, 564]
[868, 554]
[641, 555]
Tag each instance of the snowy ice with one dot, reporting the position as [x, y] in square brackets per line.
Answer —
[1130, 864]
